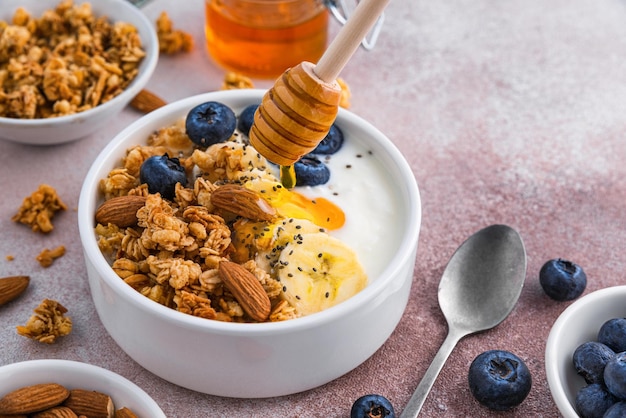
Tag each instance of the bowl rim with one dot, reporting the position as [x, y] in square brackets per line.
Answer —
[551, 352]
[90, 247]
[78, 367]
[151, 48]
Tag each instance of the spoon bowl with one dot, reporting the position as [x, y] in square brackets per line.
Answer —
[483, 280]
[478, 289]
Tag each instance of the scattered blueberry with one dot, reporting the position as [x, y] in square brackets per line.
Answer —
[613, 334]
[210, 123]
[499, 379]
[593, 400]
[311, 172]
[615, 375]
[618, 410]
[246, 119]
[372, 406]
[562, 280]
[590, 359]
[331, 143]
[161, 173]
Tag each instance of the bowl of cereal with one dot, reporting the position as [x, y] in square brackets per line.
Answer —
[66, 68]
[230, 283]
[68, 384]
[580, 323]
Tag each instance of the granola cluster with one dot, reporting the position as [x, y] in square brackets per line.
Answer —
[173, 253]
[38, 209]
[172, 41]
[66, 61]
[47, 323]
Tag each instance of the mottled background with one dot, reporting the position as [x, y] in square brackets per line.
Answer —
[508, 112]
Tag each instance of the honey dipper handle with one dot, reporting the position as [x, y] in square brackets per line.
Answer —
[348, 39]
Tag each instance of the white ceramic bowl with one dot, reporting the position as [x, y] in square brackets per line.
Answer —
[77, 375]
[261, 359]
[50, 131]
[579, 323]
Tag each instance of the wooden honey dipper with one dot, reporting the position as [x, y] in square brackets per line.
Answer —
[296, 114]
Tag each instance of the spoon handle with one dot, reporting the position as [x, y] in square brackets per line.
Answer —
[414, 406]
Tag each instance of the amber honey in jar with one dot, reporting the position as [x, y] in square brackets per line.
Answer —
[263, 38]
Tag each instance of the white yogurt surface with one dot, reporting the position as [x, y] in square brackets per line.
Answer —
[363, 189]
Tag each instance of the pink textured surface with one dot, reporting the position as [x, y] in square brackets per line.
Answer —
[508, 112]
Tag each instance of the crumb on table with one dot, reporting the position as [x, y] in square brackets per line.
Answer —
[47, 257]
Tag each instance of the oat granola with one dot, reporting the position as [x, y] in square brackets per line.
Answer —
[234, 81]
[38, 209]
[172, 256]
[172, 41]
[47, 257]
[47, 323]
[66, 61]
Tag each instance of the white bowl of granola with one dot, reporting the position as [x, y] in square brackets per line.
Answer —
[169, 300]
[51, 98]
[65, 378]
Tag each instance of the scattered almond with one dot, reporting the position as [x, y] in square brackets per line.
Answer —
[244, 202]
[247, 289]
[11, 287]
[35, 398]
[146, 101]
[125, 413]
[120, 211]
[90, 403]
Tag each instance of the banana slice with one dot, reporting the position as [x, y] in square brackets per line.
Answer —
[318, 271]
[282, 233]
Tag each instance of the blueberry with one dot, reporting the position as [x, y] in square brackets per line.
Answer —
[593, 400]
[161, 173]
[499, 379]
[613, 334]
[618, 410]
[210, 123]
[589, 361]
[615, 375]
[310, 172]
[246, 119]
[331, 143]
[372, 406]
[562, 280]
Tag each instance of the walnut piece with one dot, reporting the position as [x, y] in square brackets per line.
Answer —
[47, 323]
[38, 209]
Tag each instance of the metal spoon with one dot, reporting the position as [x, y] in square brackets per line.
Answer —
[479, 288]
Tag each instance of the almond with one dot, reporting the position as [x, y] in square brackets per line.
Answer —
[35, 398]
[246, 288]
[120, 211]
[125, 413]
[11, 287]
[146, 101]
[244, 202]
[56, 412]
[90, 403]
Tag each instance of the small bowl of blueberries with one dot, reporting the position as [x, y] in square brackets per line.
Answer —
[586, 356]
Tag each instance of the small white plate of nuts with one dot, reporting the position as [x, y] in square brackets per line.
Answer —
[38, 385]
